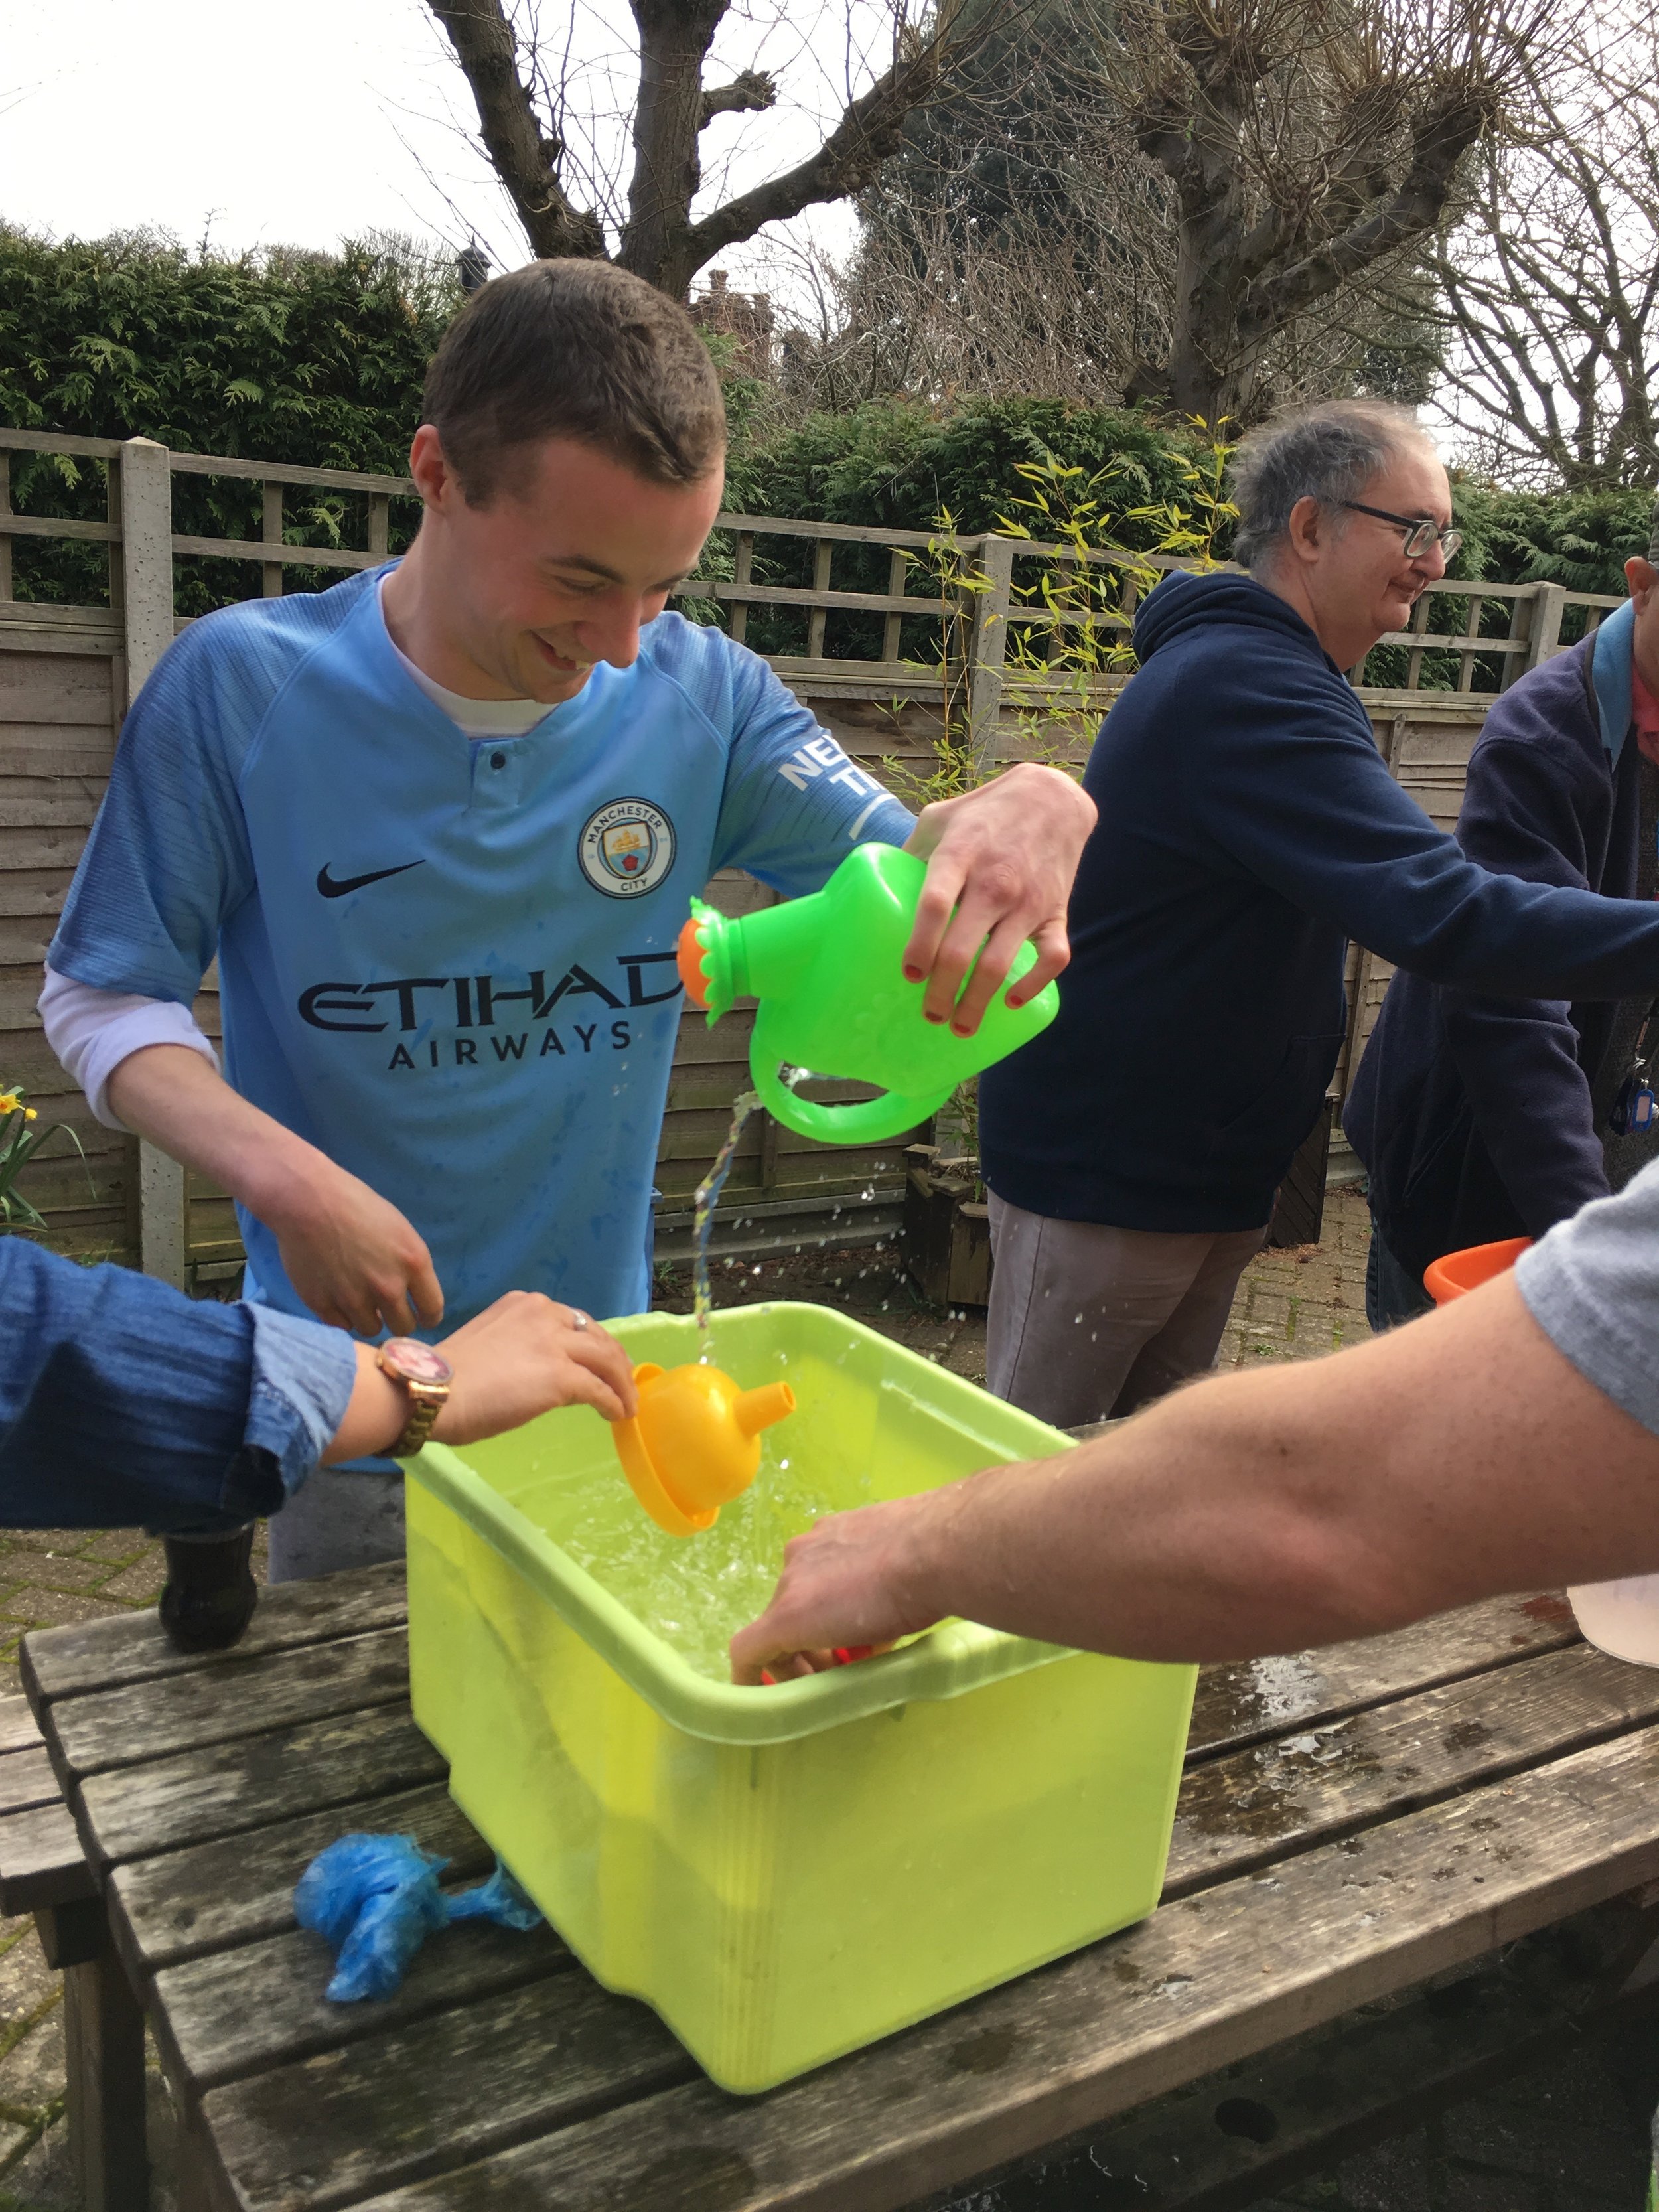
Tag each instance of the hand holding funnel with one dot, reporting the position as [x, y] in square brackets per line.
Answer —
[695, 1443]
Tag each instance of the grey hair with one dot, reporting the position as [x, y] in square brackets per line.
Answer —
[1653, 537]
[1330, 452]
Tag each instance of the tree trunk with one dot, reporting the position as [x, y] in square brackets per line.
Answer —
[675, 36]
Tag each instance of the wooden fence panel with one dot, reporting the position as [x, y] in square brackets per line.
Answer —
[63, 678]
[59, 687]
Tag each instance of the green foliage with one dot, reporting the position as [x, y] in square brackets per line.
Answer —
[1581, 539]
[312, 359]
[898, 463]
[1068, 619]
[318, 360]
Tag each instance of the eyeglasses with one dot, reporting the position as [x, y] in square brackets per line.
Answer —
[1419, 534]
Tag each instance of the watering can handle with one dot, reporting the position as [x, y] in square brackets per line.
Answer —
[860, 1121]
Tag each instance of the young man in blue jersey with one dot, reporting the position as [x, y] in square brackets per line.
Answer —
[441, 824]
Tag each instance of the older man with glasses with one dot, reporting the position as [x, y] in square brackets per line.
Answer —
[1479, 1117]
[1247, 827]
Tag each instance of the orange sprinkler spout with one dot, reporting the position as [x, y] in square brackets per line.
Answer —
[688, 959]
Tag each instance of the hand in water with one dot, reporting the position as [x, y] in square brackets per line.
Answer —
[849, 1581]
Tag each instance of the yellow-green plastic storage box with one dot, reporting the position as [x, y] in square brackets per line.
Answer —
[784, 1873]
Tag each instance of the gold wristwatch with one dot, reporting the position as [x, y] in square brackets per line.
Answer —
[426, 1376]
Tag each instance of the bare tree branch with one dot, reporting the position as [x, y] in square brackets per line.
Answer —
[867, 135]
[659, 238]
[1552, 282]
[524, 157]
[747, 93]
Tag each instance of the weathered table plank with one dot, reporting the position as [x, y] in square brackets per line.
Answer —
[232, 1789]
[1258, 2128]
[1207, 1981]
[436, 2094]
[1254, 1809]
[208, 1897]
[1352, 1821]
[27, 1779]
[100, 1655]
[19, 1729]
[41, 1861]
[211, 2035]
[243, 1695]
[1257, 1807]
[1251, 1700]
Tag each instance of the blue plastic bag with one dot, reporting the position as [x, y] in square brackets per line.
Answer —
[374, 1900]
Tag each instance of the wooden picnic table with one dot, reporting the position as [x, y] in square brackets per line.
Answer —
[1382, 1817]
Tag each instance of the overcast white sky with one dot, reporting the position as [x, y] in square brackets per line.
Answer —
[301, 122]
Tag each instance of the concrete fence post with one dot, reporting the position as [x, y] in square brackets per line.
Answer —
[147, 615]
[1544, 633]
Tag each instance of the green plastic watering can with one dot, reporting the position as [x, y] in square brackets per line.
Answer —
[828, 970]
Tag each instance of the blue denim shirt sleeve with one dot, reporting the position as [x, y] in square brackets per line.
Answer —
[303, 1375]
[123, 1401]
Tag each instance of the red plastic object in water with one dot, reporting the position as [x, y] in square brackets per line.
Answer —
[844, 1654]
[1457, 1272]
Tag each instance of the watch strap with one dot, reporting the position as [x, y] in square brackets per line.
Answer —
[425, 1403]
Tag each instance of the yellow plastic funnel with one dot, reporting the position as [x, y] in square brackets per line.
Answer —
[695, 1443]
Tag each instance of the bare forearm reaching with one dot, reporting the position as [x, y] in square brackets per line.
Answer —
[352, 1257]
[1454, 1459]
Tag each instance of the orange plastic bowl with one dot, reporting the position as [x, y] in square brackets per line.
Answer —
[1458, 1272]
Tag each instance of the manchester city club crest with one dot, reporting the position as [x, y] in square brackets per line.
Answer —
[626, 847]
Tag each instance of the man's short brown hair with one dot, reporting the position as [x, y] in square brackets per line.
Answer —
[575, 350]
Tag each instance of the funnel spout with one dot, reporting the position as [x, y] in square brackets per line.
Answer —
[755, 1410]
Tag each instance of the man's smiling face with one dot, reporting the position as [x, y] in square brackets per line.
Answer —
[562, 566]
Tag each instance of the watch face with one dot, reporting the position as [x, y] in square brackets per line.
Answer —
[415, 1362]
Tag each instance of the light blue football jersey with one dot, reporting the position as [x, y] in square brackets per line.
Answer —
[449, 962]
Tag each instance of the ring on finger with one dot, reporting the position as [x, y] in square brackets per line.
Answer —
[578, 1318]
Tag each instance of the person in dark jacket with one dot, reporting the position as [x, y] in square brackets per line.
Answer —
[1480, 1118]
[1247, 827]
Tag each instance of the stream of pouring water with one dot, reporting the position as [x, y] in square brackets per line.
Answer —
[703, 1220]
[707, 1197]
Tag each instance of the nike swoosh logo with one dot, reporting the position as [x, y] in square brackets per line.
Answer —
[329, 888]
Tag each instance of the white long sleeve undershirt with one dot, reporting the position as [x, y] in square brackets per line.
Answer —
[92, 1031]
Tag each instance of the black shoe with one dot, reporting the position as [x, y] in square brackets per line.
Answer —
[210, 1591]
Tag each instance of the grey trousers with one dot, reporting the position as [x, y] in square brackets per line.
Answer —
[1089, 1322]
[337, 1520]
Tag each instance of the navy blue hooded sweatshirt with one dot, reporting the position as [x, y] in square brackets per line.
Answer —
[1473, 1114]
[1247, 827]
